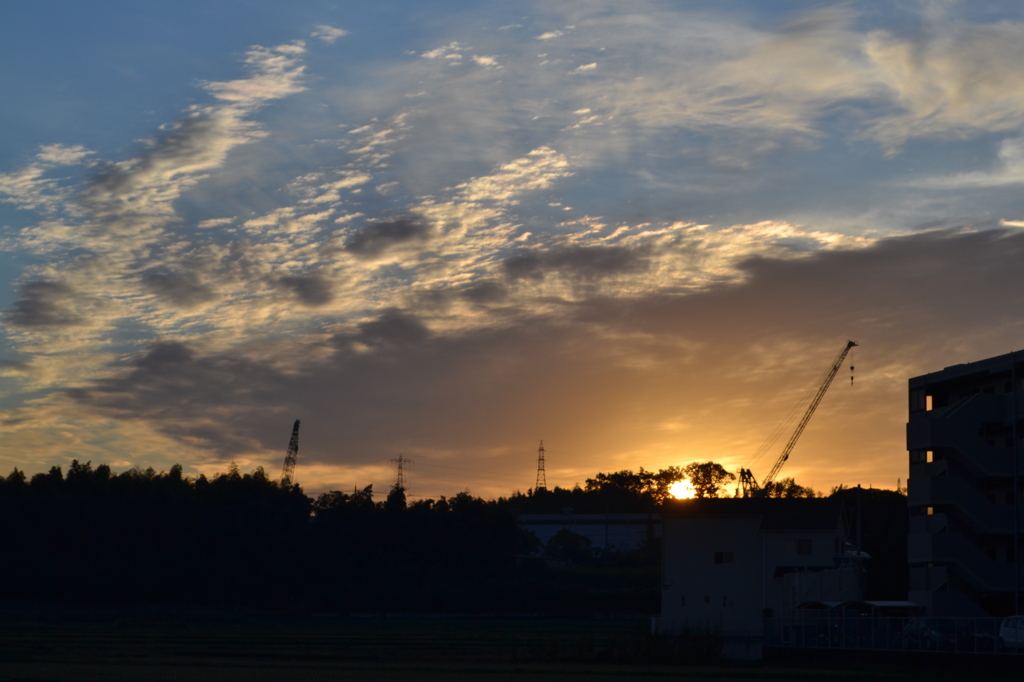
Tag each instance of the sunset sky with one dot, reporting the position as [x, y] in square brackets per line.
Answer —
[640, 231]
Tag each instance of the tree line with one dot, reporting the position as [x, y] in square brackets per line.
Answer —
[92, 537]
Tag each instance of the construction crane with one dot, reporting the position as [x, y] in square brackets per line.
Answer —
[748, 483]
[289, 460]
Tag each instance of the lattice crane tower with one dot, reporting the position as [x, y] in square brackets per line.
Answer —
[288, 471]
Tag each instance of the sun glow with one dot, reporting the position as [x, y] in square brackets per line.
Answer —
[682, 490]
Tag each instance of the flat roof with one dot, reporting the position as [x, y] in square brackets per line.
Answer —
[788, 513]
[965, 369]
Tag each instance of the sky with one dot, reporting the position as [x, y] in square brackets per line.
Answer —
[448, 230]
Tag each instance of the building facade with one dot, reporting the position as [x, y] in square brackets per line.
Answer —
[964, 441]
[620, 532]
[728, 564]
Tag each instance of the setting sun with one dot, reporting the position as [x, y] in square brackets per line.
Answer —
[682, 490]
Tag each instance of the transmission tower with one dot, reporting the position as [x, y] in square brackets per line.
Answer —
[289, 460]
[542, 481]
[400, 463]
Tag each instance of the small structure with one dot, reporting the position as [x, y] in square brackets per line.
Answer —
[731, 563]
[622, 532]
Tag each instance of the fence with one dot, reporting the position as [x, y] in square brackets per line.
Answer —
[873, 633]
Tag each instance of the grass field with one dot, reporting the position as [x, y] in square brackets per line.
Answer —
[224, 647]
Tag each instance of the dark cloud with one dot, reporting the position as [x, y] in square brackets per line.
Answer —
[44, 304]
[487, 291]
[580, 262]
[181, 290]
[393, 327]
[311, 290]
[163, 355]
[376, 238]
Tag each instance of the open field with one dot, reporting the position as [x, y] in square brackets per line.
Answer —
[223, 647]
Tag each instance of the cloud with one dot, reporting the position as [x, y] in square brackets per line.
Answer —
[585, 262]
[177, 289]
[489, 62]
[45, 304]
[311, 290]
[393, 327]
[328, 34]
[1009, 172]
[376, 238]
[603, 376]
[31, 189]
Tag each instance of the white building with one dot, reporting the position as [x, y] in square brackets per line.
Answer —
[728, 564]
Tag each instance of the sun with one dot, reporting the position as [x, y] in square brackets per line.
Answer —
[682, 490]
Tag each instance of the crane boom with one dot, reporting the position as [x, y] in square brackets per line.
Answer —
[289, 459]
[747, 480]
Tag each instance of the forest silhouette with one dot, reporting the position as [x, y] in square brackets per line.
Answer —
[93, 538]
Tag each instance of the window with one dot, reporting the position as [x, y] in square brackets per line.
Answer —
[929, 456]
[723, 557]
[683, 601]
[918, 456]
[707, 598]
[805, 547]
[724, 601]
[928, 403]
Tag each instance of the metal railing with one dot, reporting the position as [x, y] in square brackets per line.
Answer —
[875, 633]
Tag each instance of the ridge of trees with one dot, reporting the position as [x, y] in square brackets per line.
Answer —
[94, 537]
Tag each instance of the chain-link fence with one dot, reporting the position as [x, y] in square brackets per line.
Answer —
[955, 635]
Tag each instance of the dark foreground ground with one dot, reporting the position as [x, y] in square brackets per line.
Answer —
[149, 646]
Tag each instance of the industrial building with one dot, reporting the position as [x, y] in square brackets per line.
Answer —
[964, 440]
[620, 532]
[731, 565]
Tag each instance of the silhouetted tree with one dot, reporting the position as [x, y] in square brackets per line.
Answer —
[569, 547]
[788, 487]
[707, 478]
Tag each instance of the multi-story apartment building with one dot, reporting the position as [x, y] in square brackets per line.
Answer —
[964, 437]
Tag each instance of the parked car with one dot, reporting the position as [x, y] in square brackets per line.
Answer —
[1011, 633]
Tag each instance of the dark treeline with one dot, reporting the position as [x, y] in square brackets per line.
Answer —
[95, 538]
[91, 537]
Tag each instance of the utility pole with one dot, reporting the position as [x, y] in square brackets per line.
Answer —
[542, 481]
[400, 463]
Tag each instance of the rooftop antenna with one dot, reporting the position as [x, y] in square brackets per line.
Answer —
[288, 471]
[542, 481]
